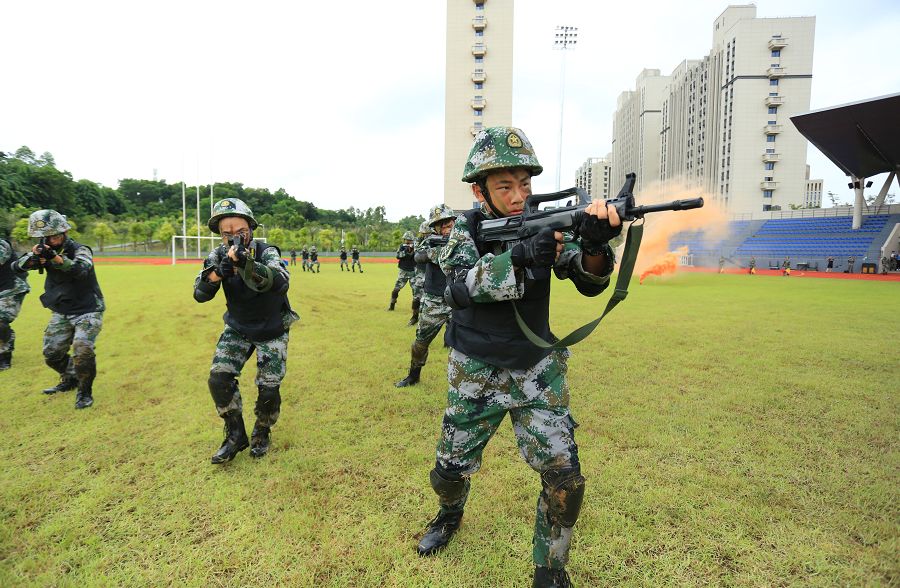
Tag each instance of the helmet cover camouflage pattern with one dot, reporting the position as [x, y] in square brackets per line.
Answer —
[46, 223]
[425, 228]
[314, 249]
[498, 148]
[408, 236]
[440, 213]
[230, 207]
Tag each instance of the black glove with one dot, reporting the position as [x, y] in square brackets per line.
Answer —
[225, 268]
[536, 251]
[241, 257]
[595, 233]
[48, 253]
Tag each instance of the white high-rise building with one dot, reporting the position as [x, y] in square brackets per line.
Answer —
[724, 123]
[636, 126]
[593, 177]
[813, 196]
[479, 83]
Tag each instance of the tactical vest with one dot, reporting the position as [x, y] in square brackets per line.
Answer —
[314, 256]
[406, 263]
[305, 254]
[67, 294]
[355, 255]
[488, 331]
[255, 315]
[7, 274]
[343, 256]
[435, 279]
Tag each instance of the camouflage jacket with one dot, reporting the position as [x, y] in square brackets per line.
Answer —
[80, 266]
[20, 285]
[492, 278]
[259, 276]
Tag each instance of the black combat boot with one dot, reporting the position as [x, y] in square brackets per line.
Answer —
[394, 294]
[66, 383]
[84, 399]
[416, 304]
[235, 438]
[439, 532]
[551, 578]
[5, 360]
[259, 440]
[411, 379]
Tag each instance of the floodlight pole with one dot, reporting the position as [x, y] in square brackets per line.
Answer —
[565, 38]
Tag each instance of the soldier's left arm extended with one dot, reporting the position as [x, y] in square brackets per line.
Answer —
[80, 266]
[570, 265]
[268, 274]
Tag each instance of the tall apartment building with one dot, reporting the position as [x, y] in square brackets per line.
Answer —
[594, 177]
[724, 125]
[813, 196]
[479, 83]
[636, 126]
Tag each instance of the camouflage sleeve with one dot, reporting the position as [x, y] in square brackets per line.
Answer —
[204, 290]
[26, 262]
[400, 253]
[569, 266]
[269, 274]
[5, 251]
[78, 267]
[491, 278]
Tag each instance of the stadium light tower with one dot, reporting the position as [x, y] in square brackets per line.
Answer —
[565, 38]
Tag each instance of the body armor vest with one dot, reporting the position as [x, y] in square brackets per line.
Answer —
[435, 280]
[7, 274]
[67, 294]
[255, 315]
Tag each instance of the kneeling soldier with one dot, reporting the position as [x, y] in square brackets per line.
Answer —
[71, 291]
[13, 288]
[493, 368]
[259, 316]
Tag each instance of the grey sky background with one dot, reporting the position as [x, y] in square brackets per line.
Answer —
[343, 105]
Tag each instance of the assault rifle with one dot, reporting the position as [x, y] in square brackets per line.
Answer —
[436, 240]
[43, 248]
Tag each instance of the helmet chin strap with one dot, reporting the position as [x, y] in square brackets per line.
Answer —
[487, 198]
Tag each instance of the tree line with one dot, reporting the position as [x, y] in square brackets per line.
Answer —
[143, 215]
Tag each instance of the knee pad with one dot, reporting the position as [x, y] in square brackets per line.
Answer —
[221, 387]
[450, 488]
[269, 400]
[5, 332]
[564, 491]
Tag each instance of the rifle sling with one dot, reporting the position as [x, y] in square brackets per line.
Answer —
[626, 268]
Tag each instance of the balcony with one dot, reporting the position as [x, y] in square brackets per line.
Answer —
[771, 157]
[478, 103]
[772, 129]
[775, 72]
[478, 23]
[768, 185]
[479, 50]
[777, 43]
[774, 100]
[478, 76]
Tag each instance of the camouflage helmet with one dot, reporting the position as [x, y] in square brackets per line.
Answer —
[408, 236]
[498, 148]
[46, 223]
[439, 214]
[230, 207]
[425, 228]
[314, 249]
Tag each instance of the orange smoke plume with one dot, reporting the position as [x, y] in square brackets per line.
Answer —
[661, 226]
[667, 265]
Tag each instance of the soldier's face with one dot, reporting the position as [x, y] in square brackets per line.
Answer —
[445, 227]
[508, 190]
[56, 240]
[234, 225]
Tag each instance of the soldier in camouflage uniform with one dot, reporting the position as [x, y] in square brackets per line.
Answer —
[314, 260]
[434, 311]
[73, 295]
[406, 266]
[13, 288]
[354, 255]
[304, 258]
[259, 317]
[343, 256]
[493, 368]
[418, 280]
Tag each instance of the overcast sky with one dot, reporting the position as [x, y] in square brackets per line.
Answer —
[342, 104]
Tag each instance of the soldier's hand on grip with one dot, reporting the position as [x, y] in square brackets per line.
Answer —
[599, 225]
[239, 256]
[539, 250]
[225, 268]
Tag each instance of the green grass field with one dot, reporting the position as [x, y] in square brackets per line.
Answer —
[735, 431]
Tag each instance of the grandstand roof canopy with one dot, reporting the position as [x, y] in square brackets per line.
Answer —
[861, 138]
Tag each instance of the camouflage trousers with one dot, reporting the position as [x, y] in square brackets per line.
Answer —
[404, 276]
[344, 264]
[432, 316]
[9, 310]
[537, 400]
[78, 331]
[310, 265]
[354, 264]
[232, 352]
[417, 283]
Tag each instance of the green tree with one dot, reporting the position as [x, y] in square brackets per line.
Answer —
[326, 238]
[137, 231]
[46, 158]
[89, 198]
[396, 237]
[26, 155]
[102, 232]
[352, 239]
[276, 237]
[164, 233]
[20, 230]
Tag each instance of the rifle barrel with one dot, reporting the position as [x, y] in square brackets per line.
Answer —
[688, 204]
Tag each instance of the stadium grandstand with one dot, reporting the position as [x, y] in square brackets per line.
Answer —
[863, 140]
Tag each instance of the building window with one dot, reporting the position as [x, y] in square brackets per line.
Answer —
[479, 85]
[479, 33]
[770, 150]
[479, 6]
[773, 82]
[767, 193]
[770, 166]
[479, 60]
[776, 52]
[770, 138]
[769, 178]
[773, 110]
[772, 122]
[478, 113]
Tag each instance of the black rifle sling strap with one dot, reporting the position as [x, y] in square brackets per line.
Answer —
[626, 268]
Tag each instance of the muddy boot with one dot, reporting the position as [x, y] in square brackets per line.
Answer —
[235, 438]
[5, 360]
[84, 399]
[439, 532]
[260, 440]
[394, 294]
[268, 407]
[551, 578]
[416, 304]
[411, 379]
[66, 383]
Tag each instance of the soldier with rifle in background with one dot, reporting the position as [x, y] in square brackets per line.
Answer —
[259, 316]
[406, 266]
[13, 288]
[314, 260]
[434, 311]
[304, 258]
[354, 255]
[73, 295]
[343, 257]
[493, 368]
[418, 280]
